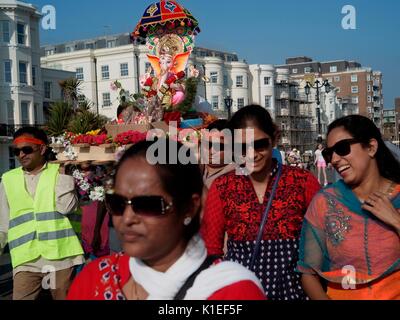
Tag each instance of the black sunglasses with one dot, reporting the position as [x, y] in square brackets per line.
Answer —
[143, 205]
[342, 148]
[259, 146]
[25, 150]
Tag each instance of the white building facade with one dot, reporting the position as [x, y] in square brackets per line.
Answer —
[99, 62]
[23, 83]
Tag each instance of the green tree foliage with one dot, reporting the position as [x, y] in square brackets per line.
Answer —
[60, 114]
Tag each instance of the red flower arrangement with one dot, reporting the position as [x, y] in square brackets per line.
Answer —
[92, 140]
[130, 137]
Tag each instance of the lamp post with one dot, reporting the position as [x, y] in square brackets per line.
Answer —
[317, 86]
[228, 103]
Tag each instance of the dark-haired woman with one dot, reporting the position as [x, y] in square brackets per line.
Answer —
[351, 234]
[237, 203]
[155, 210]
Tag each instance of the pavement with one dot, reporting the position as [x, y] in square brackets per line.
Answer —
[330, 173]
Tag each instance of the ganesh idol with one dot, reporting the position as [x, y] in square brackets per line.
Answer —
[169, 65]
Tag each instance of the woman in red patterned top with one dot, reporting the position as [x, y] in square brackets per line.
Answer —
[155, 211]
[236, 204]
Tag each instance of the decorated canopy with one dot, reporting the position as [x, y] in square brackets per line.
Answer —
[164, 15]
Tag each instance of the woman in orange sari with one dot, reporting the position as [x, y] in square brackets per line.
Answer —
[351, 234]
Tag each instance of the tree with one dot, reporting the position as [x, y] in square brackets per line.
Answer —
[71, 90]
[59, 117]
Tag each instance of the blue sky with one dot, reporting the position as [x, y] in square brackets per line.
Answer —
[258, 31]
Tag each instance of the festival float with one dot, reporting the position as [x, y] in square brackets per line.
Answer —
[167, 97]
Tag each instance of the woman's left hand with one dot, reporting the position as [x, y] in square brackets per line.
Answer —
[380, 206]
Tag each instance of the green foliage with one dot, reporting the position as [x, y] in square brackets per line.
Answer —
[64, 118]
[85, 121]
[71, 90]
[60, 115]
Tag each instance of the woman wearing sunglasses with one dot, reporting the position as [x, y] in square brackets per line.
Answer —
[155, 210]
[351, 235]
[237, 204]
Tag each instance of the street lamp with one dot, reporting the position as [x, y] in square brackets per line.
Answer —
[228, 103]
[317, 86]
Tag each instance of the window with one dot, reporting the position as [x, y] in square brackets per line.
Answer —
[47, 89]
[111, 43]
[268, 101]
[294, 71]
[369, 77]
[369, 99]
[34, 75]
[25, 113]
[267, 81]
[239, 81]
[69, 49]
[5, 31]
[7, 71]
[333, 69]
[79, 74]
[354, 100]
[215, 102]
[307, 70]
[214, 77]
[105, 73]
[354, 89]
[124, 70]
[106, 100]
[49, 52]
[22, 73]
[21, 33]
[11, 158]
[337, 79]
[354, 78]
[10, 112]
[369, 88]
[225, 80]
[338, 89]
[89, 46]
[240, 103]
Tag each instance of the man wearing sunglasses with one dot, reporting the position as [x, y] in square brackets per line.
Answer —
[34, 202]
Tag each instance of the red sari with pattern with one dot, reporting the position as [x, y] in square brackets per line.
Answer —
[105, 278]
[232, 207]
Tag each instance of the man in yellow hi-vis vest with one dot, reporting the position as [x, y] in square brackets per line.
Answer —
[35, 201]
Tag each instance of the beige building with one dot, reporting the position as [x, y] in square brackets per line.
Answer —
[358, 88]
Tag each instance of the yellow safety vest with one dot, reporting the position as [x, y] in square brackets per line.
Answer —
[76, 221]
[36, 229]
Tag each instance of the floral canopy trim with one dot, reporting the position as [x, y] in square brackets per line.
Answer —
[164, 15]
